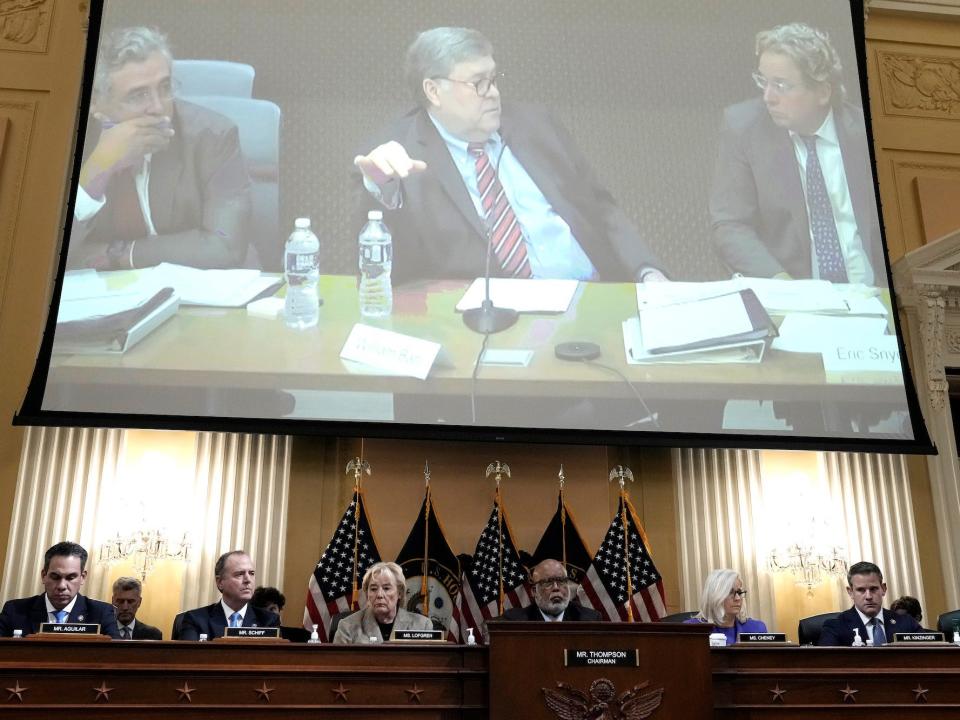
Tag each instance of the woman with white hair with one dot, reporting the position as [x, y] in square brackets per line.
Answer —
[384, 587]
[722, 605]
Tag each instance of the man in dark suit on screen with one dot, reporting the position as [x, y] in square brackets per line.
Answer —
[64, 573]
[234, 574]
[126, 600]
[162, 179]
[866, 618]
[462, 172]
[793, 192]
[552, 594]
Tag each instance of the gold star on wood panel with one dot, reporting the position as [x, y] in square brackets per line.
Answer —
[414, 694]
[849, 694]
[185, 692]
[340, 692]
[264, 692]
[778, 693]
[921, 693]
[16, 692]
[103, 692]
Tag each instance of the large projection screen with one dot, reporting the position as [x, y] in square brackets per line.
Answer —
[679, 199]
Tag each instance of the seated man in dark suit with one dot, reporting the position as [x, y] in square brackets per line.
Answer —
[793, 192]
[461, 172]
[867, 617]
[127, 598]
[162, 179]
[63, 574]
[552, 594]
[234, 574]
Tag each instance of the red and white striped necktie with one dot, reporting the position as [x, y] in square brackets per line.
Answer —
[506, 235]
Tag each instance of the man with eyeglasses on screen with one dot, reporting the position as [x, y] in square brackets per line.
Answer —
[162, 179]
[462, 171]
[552, 595]
[793, 193]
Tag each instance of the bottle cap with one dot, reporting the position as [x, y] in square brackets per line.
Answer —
[301, 223]
[718, 640]
[375, 215]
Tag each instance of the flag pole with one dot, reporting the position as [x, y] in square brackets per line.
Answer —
[623, 474]
[357, 466]
[499, 469]
[563, 519]
[424, 586]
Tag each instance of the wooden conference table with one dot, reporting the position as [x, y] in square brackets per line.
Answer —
[228, 350]
[46, 678]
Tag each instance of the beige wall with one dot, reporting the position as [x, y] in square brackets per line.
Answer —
[38, 88]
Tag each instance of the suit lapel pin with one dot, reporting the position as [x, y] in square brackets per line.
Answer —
[79, 618]
[892, 621]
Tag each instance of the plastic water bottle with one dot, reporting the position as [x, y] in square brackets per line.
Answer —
[301, 309]
[376, 261]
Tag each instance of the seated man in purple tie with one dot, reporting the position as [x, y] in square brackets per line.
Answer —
[462, 175]
[127, 598]
[64, 573]
[793, 191]
[866, 618]
[234, 573]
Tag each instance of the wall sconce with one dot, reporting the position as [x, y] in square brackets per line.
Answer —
[143, 548]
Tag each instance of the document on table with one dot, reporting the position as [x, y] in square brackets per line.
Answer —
[816, 333]
[531, 296]
[215, 288]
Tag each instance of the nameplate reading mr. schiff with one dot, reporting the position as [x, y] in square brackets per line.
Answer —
[762, 637]
[418, 635]
[609, 658]
[252, 632]
[921, 637]
[70, 628]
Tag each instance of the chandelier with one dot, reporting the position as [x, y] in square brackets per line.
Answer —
[808, 564]
[143, 548]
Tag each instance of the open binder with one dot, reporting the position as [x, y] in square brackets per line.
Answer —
[727, 328]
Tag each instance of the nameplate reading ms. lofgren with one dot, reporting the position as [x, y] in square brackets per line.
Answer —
[252, 632]
[70, 628]
[608, 658]
[418, 635]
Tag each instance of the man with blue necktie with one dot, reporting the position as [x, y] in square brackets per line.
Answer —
[866, 618]
[63, 574]
[793, 193]
[235, 576]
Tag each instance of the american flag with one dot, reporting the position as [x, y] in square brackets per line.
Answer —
[330, 590]
[606, 588]
[496, 559]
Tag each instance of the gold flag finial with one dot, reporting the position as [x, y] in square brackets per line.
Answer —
[561, 476]
[426, 473]
[499, 469]
[357, 467]
[622, 474]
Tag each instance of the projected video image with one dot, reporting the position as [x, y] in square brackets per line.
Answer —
[621, 219]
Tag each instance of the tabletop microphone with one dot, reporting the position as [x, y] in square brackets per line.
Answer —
[488, 318]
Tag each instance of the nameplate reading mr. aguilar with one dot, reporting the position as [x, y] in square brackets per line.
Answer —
[252, 632]
[418, 635]
[609, 658]
[70, 628]
[927, 637]
[761, 637]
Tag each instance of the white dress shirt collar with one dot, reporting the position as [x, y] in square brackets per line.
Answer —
[51, 609]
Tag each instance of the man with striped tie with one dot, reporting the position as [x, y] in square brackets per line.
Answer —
[64, 573]
[462, 173]
[793, 193]
[235, 575]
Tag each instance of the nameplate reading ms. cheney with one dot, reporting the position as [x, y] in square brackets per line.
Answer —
[70, 628]
[252, 632]
[608, 658]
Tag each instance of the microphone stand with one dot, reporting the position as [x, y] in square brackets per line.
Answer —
[488, 318]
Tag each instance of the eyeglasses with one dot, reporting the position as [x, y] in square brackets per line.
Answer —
[738, 593]
[141, 98]
[480, 87]
[778, 87]
[550, 582]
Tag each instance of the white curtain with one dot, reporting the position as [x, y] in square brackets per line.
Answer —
[239, 502]
[64, 475]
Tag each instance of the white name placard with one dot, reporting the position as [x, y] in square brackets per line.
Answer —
[394, 353]
[879, 354]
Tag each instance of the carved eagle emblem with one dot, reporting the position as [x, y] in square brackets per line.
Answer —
[600, 702]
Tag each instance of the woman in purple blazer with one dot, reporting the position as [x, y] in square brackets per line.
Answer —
[722, 605]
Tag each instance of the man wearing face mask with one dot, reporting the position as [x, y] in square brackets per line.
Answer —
[552, 594]
[162, 179]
